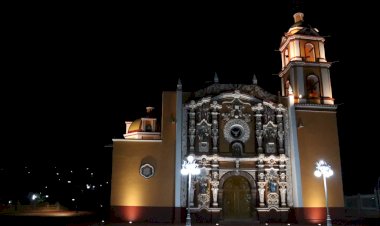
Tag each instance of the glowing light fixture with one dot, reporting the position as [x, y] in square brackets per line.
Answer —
[189, 167]
[324, 169]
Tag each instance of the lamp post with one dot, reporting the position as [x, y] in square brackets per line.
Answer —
[324, 169]
[189, 167]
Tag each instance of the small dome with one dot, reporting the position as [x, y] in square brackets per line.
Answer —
[300, 27]
[135, 126]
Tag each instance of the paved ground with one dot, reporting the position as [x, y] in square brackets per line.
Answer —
[82, 218]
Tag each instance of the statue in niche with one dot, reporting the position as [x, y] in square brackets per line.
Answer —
[203, 133]
[270, 135]
[203, 113]
[203, 185]
[237, 149]
[272, 186]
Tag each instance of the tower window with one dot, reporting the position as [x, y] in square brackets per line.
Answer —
[309, 52]
[286, 56]
[148, 128]
[312, 86]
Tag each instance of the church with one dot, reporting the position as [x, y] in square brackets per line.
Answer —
[255, 153]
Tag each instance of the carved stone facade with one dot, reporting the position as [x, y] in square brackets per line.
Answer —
[251, 145]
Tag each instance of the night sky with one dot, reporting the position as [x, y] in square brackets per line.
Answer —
[75, 74]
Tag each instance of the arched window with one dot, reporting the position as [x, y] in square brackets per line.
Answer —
[309, 52]
[286, 56]
[312, 86]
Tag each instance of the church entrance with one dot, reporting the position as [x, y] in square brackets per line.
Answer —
[237, 199]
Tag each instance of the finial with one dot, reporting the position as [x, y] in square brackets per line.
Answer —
[298, 17]
[216, 79]
[179, 84]
[254, 79]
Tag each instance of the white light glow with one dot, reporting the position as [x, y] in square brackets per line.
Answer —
[184, 171]
[317, 173]
[34, 197]
[190, 158]
[324, 169]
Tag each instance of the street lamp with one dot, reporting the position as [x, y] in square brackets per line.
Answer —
[189, 167]
[324, 169]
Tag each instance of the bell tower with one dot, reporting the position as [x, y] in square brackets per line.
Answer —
[313, 131]
[305, 72]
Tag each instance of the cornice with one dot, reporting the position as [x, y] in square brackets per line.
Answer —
[303, 64]
[316, 107]
[293, 37]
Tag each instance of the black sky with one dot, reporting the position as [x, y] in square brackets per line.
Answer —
[76, 73]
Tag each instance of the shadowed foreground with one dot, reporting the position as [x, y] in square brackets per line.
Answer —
[83, 218]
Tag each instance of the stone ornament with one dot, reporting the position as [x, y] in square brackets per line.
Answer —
[147, 171]
[236, 129]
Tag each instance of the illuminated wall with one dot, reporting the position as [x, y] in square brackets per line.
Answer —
[317, 140]
[129, 189]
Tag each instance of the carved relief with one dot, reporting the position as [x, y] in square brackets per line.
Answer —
[203, 200]
[236, 109]
[191, 128]
[203, 112]
[272, 199]
[236, 129]
[270, 135]
[269, 112]
[203, 132]
[271, 130]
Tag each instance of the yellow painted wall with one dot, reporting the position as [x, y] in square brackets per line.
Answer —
[128, 187]
[317, 140]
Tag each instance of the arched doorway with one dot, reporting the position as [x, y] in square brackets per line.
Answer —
[237, 198]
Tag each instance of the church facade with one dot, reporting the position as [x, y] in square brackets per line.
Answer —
[256, 151]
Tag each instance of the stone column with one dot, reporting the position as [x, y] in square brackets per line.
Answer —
[215, 107]
[280, 127]
[283, 193]
[259, 126]
[214, 131]
[215, 189]
[192, 107]
[261, 193]
[192, 190]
